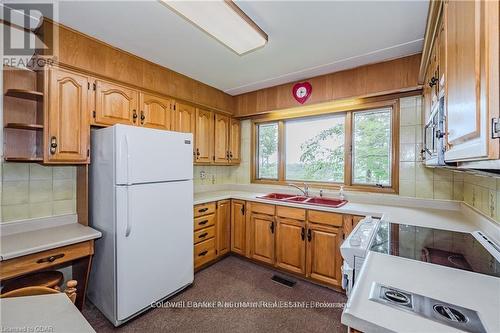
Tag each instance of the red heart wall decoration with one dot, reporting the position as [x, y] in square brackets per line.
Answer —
[301, 91]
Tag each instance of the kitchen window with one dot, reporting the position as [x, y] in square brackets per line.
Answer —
[356, 148]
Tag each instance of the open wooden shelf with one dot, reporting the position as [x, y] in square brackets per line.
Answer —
[25, 94]
[23, 159]
[31, 127]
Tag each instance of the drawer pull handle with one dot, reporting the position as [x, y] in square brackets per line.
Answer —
[203, 235]
[202, 210]
[50, 259]
[203, 222]
[201, 254]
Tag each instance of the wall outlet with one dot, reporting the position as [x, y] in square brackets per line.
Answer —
[203, 175]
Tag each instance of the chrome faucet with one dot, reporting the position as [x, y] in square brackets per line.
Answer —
[305, 191]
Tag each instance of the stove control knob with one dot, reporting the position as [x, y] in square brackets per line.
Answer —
[355, 241]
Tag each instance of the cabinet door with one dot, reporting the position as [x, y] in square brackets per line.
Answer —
[235, 142]
[323, 254]
[221, 137]
[262, 238]
[223, 227]
[350, 221]
[115, 104]
[238, 227]
[291, 245]
[471, 79]
[184, 118]
[204, 136]
[155, 112]
[67, 117]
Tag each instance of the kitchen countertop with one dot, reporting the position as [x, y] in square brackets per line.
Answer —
[467, 289]
[440, 214]
[42, 313]
[30, 236]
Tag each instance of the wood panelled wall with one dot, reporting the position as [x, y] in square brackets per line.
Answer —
[82, 52]
[377, 79]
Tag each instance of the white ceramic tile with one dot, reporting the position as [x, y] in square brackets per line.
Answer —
[424, 189]
[62, 207]
[442, 175]
[40, 172]
[407, 152]
[63, 189]
[407, 134]
[64, 172]
[15, 172]
[15, 212]
[40, 191]
[458, 191]
[41, 209]
[407, 188]
[443, 190]
[407, 171]
[408, 102]
[408, 116]
[423, 173]
[15, 192]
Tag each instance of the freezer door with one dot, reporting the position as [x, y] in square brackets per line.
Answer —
[154, 243]
[145, 155]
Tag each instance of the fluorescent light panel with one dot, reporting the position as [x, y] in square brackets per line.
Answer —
[224, 21]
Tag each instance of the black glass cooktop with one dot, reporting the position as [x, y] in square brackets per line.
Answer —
[453, 249]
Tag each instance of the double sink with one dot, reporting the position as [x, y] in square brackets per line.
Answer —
[316, 201]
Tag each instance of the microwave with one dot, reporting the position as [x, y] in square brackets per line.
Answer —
[434, 131]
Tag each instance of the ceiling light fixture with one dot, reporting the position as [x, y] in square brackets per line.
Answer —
[223, 20]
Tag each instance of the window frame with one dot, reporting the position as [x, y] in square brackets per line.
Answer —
[348, 108]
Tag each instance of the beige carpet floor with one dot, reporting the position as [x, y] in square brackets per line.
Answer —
[236, 280]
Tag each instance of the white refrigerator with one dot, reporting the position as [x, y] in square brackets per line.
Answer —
[141, 199]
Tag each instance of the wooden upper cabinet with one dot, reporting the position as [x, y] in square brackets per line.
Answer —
[67, 117]
[262, 237]
[155, 112]
[291, 245]
[472, 75]
[204, 136]
[235, 142]
[323, 254]
[115, 104]
[238, 227]
[221, 137]
[223, 227]
[184, 118]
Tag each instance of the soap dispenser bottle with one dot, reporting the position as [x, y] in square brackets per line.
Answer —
[341, 192]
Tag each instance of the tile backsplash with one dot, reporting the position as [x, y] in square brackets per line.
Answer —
[415, 180]
[33, 190]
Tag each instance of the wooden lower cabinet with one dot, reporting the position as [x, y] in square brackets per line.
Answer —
[350, 222]
[323, 254]
[262, 237]
[238, 227]
[223, 227]
[291, 245]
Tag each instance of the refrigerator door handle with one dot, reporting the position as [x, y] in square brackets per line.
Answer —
[129, 227]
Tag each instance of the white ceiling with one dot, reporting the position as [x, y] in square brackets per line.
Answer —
[306, 38]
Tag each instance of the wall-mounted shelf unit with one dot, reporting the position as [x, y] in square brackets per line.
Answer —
[23, 116]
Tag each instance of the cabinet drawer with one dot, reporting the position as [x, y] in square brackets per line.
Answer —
[262, 208]
[204, 209]
[204, 221]
[204, 234]
[291, 213]
[334, 219]
[204, 252]
[33, 262]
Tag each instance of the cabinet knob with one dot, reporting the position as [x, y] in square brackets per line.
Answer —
[433, 81]
[53, 145]
[302, 233]
[271, 226]
[197, 152]
[134, 115]
[309, 235]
